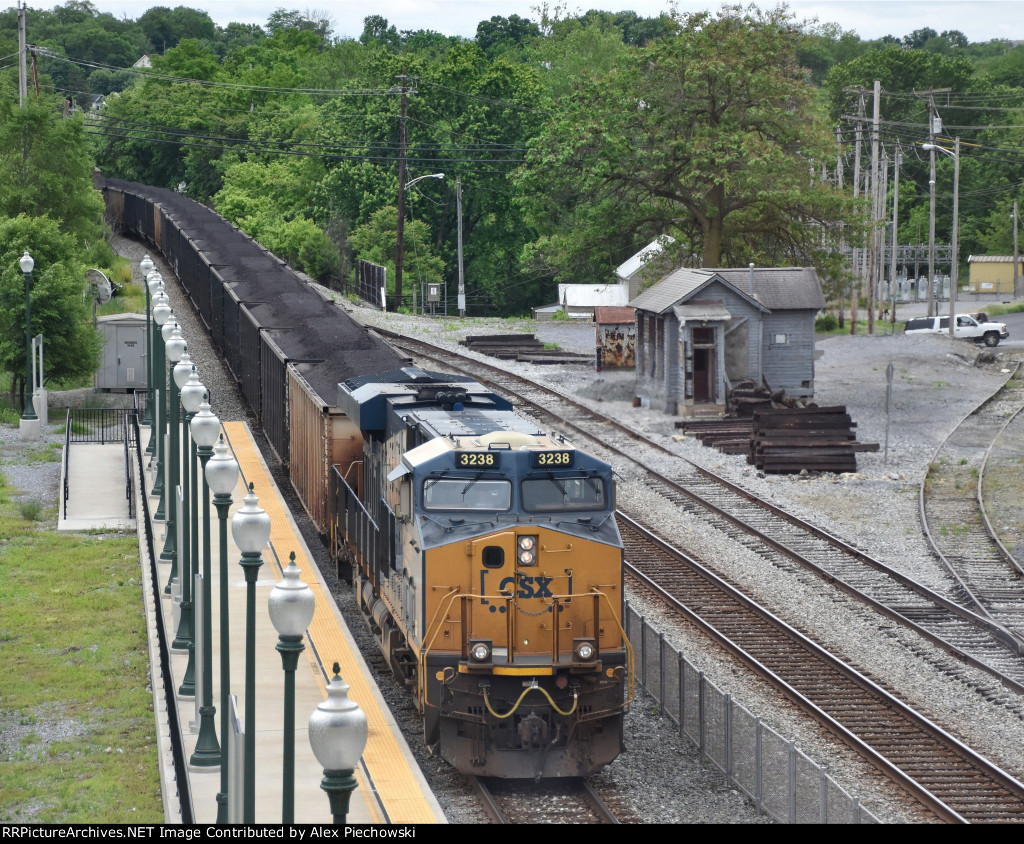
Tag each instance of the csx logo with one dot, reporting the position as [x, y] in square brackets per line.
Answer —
[529, 587]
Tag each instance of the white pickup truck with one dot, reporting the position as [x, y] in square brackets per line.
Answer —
[967, 328]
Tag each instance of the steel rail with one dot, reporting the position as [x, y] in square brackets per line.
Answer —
[782, 629]
[992, 628]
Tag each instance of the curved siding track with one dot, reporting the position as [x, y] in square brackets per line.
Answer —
[954, 519]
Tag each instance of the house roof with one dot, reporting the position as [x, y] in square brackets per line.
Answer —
[636, 263]
[775, 288]
[990, 259]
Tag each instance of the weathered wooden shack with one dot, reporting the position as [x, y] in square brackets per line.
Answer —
[701, 332]
[616, 337]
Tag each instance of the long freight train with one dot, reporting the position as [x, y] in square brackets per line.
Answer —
[484, 551]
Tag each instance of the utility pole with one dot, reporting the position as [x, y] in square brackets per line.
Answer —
[873, 264]
[932, 121]
[895, 234]
[462, 280]
[856, 192]
[839, 186]
[22, 57]
[954, 270]
[934, 126]
[400, 234]
[1018, 279]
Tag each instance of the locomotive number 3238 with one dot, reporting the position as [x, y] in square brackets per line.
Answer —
[475, 459]
[552, 458]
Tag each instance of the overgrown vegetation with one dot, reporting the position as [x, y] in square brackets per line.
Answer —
[77, 734]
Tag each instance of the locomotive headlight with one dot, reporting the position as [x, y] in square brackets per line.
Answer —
[527, 552]
[584, 649]
[480, 650]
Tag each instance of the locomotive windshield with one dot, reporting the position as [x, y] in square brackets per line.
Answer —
[466, 494]
[561, 494]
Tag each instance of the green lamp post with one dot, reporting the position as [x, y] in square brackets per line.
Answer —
[337, 733]
[205, 429]
[250, 529]
[291, 606]
[222, 475]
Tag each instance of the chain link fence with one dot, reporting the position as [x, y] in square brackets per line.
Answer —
[781, 780]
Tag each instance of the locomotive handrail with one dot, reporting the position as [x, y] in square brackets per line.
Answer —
[434, 629]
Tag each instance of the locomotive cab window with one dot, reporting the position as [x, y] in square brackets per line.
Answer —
[466, 494]
[563, 494]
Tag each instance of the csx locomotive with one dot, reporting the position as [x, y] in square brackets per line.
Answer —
[488, 561]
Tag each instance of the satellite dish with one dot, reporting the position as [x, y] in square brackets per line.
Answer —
[101, 287]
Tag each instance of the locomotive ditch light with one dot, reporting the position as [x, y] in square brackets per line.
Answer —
[527, 554]
[585, 650]
[480, 651]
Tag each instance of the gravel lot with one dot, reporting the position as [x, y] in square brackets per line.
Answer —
[936, 383]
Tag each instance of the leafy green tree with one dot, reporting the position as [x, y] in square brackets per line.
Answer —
[45, 169]
[59, 311]
[377, 241]
[500, 34]
[707, 135]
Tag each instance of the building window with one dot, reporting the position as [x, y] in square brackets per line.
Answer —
[780, 339]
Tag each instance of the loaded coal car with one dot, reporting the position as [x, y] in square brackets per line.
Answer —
[487, 558]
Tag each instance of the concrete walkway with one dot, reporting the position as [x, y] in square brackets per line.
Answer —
[97, 497]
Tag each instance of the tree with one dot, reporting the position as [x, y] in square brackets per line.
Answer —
[500, 33]
[708, 135]
[45, 169]
[377, 241]
[59, 311]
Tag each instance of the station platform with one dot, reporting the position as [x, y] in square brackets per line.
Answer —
[391, 788]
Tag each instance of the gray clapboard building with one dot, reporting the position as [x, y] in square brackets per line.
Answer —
[700, 332]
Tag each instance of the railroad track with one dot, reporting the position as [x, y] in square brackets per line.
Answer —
[943, 774]
[783, 539]
[561, 801]
[954, 518]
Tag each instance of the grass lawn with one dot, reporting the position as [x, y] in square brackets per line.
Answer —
[77, 729]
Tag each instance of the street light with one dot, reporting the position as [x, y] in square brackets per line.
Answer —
[337, 733]
[250, 529]
[222, 475]
[205, 429]
[291, 606]
[154, 288]
[29, 420]
[176, 349]
[146, 265]
[161, 313]
[954, 269]
[400, 234]
[192, 393]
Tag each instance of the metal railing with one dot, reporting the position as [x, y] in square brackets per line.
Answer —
[178, 753]
[67, 455]
[781, 780]
[96, 424]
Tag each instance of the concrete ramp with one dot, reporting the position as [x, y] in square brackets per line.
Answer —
[96, 488]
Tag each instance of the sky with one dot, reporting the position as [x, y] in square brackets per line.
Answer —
[979, 20]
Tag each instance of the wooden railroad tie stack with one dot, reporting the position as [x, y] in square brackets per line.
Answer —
[818, 439]
[729, 436]
[525, 348]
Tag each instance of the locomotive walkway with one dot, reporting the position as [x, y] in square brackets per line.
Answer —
[391, 788]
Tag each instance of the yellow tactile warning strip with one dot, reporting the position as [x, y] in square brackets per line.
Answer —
[386, 765]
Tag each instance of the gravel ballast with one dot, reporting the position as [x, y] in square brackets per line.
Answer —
[936, 383]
